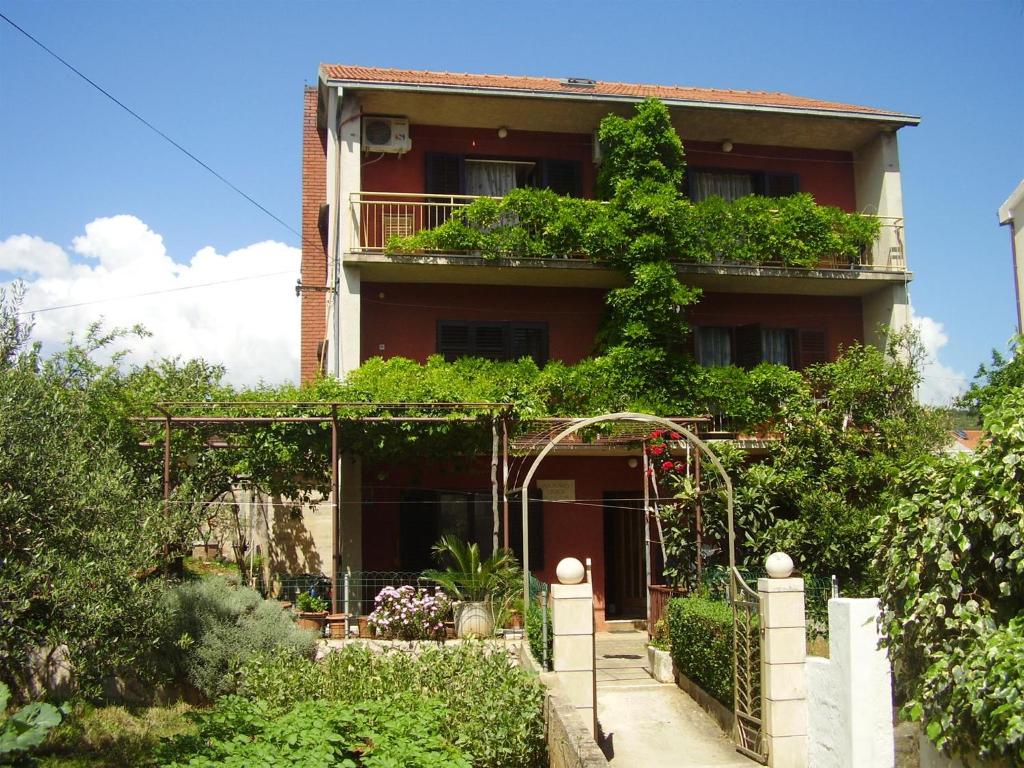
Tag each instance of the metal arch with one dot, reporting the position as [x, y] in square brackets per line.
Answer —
[620, 416]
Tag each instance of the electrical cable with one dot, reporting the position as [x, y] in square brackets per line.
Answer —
[150, 125]
[154, 293]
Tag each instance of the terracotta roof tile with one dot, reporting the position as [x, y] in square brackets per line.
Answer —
[351, 73]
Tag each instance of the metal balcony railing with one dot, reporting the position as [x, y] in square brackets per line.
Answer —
[376, 217]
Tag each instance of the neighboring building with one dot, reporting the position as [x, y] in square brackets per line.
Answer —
[964, 440]
[1011, 214]
[389, 151]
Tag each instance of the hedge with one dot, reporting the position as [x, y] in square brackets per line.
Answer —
[700, 640]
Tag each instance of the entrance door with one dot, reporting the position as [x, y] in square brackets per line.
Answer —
[624, 577]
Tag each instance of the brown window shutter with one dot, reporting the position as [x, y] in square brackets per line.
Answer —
[748, 352]
[813, 348]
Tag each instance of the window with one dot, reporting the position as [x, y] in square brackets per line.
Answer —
[750, 345]
[714, 346]
[492, 340]
[427, 515]
[777, 346]
[731, 185]
[494, 177]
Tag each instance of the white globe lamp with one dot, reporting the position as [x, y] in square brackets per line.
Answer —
[570, 571]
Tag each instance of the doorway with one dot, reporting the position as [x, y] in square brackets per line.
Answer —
[624, 576]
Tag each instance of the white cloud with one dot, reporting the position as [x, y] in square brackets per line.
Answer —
[250, 326]
[940, 383]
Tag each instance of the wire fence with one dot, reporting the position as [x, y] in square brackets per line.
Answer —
[818, 590]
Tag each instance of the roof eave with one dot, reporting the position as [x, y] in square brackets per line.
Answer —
[880, 117]
[1014, 201]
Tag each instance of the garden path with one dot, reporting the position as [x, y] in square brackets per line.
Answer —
[650, 724]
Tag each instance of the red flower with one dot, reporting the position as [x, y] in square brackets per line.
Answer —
[680, 466]
[657, 433]
[657, 450]
[674, 435]
[667, 465]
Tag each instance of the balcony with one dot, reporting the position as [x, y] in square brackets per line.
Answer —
[377, 217]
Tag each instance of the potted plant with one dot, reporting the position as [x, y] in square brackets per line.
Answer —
[311, 612]
[475, 584]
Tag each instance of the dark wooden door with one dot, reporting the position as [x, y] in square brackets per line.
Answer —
[624, 568]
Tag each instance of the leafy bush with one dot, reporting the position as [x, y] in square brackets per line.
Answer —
[535, 223]
[213, 627]
[27, 728]
[240, 732]
[487, 708]
[951, 557]
[700, 640]
[407, 613]
[535, 634]
[310, 603]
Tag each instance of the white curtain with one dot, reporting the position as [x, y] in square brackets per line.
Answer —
[776, 346]
[728, 186]
[714, 346]
[489, 179]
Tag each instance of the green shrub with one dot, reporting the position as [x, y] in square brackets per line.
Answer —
[213, 626]
[401, 731]
[950, 553]
[489, 709]
[535, 634]
[27, 728]
[700, 639]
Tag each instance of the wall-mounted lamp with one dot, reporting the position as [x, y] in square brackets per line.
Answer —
[633, 463]
[727, 146]
[502, 132]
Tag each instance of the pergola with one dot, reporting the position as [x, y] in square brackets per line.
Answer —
[537, 437]
[194, 414]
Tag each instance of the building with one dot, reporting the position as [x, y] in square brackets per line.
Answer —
[1011, 214]
[386, 152]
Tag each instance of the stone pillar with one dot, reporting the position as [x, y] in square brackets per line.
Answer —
[783, 652]
[572, 621]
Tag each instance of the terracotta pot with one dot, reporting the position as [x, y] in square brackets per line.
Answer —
[337, 626]
[364, 626]
[515, 620]
[310, 620]
[474, 619]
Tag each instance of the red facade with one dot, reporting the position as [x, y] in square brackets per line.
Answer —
[406, 313]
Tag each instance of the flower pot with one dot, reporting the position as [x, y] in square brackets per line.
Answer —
[515, 620]
[337, 626]
[474, 619]
[309, 620]
[364, 626]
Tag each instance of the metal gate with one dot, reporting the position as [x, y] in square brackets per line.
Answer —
[746, 678]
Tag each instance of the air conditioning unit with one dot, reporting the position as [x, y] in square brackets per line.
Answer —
[386, 134]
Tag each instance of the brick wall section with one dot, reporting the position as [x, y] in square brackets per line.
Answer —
[314, 244]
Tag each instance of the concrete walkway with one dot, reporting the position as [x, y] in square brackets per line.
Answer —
[647, 724]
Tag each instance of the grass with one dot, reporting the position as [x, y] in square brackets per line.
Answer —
[112, 737]
[196, 567]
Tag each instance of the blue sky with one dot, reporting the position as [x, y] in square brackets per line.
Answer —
[225, 80]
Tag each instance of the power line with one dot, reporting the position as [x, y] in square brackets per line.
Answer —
[152, 127]
[154, 293]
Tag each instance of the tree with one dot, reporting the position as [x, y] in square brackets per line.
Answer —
[82, 523]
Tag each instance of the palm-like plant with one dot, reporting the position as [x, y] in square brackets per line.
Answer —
[467, 577]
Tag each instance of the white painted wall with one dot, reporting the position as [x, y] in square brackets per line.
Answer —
[879, 191]
[849, 695]
[885, 310]
[344, 176]
[1011, 214]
